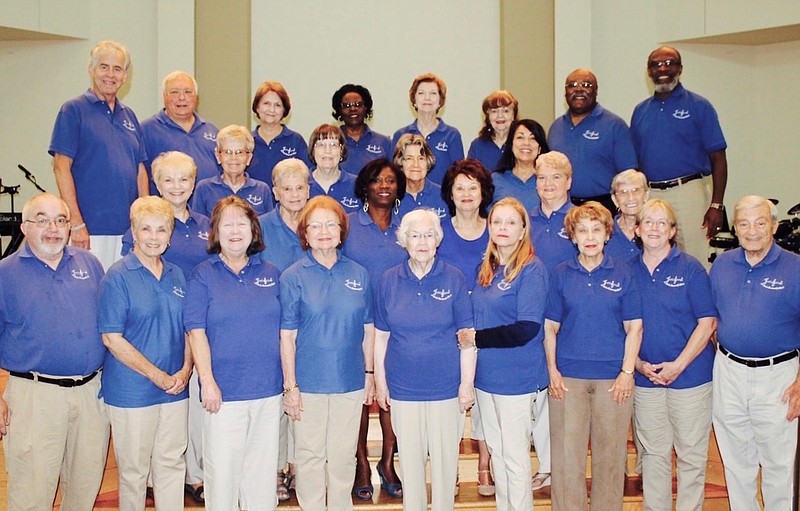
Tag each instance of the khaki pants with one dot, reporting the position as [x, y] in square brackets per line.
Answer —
[54, 432]
[150, 438]
[588, 410]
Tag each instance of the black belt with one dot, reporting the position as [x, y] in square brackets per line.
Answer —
[61, 382]
[599, 198]
[749, 362]
[663, 185]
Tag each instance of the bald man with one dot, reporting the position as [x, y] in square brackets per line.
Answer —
[596, 141]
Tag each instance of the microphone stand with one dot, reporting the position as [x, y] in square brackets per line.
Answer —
[30, 177]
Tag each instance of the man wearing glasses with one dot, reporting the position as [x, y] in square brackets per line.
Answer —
[54, 423]
[680, 144]
[596, 141]
[98, 156]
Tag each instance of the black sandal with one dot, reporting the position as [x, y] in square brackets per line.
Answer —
[197, 494]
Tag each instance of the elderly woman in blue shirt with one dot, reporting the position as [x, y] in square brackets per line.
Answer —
[279, 226]
[148, 362]
[515, 174]
[414, 156]
[232, 316]
[327, 337]
[673, 379]
[500, 110]
[508, 304]
[593, 329]
[629, 191]
[421, 304]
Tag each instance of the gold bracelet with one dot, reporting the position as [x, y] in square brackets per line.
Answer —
[286, 390]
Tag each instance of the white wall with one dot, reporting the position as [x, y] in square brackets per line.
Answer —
[38, 76]
[752, 87]
[314, 47]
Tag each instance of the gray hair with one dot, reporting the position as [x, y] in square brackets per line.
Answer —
[177, 74]
[755, 201]
[94, 55]
[415, 216]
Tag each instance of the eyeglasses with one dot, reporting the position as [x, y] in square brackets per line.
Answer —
[576, 84]
[354, 104]
[628, 191]
[327, 144]
[44, 222]
[661, 225]
[176, 93]
[420, 236]
[234, 152]
[317, 226]
[655, 64]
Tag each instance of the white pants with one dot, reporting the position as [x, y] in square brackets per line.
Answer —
[145, 439]
[240, 454]
[540, 415]
[751, 428]
[507, 425]
[55, 432]
[679, 418]
[428, 429]
[106, 248]
[194, 448]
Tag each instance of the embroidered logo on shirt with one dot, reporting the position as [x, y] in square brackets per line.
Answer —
[288, 151]
[349, 202]
[441, 146]
[441, 212]
[374, 149]
[178, 291]
[503, 285]
[353, 285]
[203, 235]
[681, 114]
[128, 125]
[591, 135]
[210, 136]
[610, 285]
[674, 281]
[441, 294]
[255, 200]
[563, 234]
[264, 282]
[80, 274]
[772, 284]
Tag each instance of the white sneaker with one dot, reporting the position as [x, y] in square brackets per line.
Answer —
[540, 481]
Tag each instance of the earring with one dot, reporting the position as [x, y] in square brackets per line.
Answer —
[397, 206]
[366, 206]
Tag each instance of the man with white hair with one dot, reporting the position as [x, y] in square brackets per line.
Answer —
[98, 156]
[177, 127]
[53, 420]
[679, 143]
[756, 396]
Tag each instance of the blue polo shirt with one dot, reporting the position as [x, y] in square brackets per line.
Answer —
[371, 146]
[466, 255]
[367, 245]
[162, 134]
[674, 137]
[343, 190]
[620, 247]
[241, 316]
[550, 240]
[423, 362]
[148, 313]
[674, 297]
[210, 191]
[759, 306]
[429, 197]
[48, 318]
[446, 144]
[598, 148]
[506, 184]
[283, 244]
[288, 144]
[329, 309]
[591, 308]
[522, 369]
[106, 148]
[486, 151]
[188, 245]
